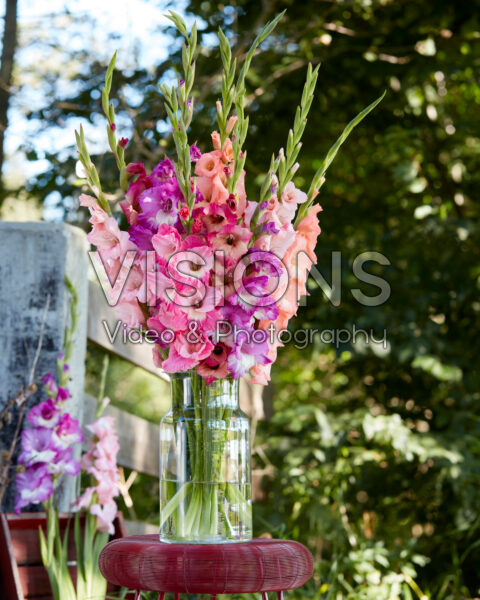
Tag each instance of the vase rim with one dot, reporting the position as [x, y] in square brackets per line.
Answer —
[193, 373]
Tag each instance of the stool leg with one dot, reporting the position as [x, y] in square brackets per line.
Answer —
[137, 595]
[280, 595]
[177, 596]
[161, 596]
[214, 596]
[264, 596]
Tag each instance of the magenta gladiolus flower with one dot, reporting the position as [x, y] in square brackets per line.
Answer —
[68, 431]
[164, 170]
[159, 205]
[137, 168]
[195, 153]
[49, 383]
[62, 394]
[33, 486]
[45, 414]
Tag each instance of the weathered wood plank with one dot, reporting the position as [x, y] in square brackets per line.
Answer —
[138, 439]
[34, 307]
[102, 320]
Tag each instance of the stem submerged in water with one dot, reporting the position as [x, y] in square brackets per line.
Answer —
[205, 486]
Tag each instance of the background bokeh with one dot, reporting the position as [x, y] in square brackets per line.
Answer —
[371, 455]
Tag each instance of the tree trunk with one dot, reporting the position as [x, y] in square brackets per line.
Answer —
[6, 68]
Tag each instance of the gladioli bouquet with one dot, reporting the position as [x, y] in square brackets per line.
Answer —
[201, 267]
[210, 275]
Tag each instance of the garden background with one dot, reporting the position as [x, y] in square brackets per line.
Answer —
[371, 455]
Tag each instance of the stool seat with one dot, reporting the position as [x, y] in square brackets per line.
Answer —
[262, 565]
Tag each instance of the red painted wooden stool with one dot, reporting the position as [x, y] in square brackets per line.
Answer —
[144, 563]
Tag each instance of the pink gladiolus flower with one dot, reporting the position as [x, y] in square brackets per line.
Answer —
[98, 215]
[102, 427]
[191, 265]
[101, 461]
[197, 226]
[169, 316]
[291, 198]
[108, 238]
[185, 355]
[216, 216]
[105, 516]
[211, 372]
[192, 277]
[130, 313]
[85, 499]
[232, 239]
[310, 228]
[201, 307]
[166, 241]
[261, 374]
[195, 350]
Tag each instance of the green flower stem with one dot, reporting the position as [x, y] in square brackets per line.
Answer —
[288, 161]
[91, 173]
[109, 110]
[319, 176]
[195, 503]
[228, 87]
[265, 194]
[241, 126]
[179, 107]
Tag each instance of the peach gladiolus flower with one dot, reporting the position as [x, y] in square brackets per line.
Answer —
[219, 191]
[209, 164]
[227, 151]
[217, 144]
[310, 228]
[231, 124]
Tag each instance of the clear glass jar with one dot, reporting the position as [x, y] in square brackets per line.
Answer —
[205, 472]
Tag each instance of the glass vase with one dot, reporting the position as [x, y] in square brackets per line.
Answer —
[205, 473]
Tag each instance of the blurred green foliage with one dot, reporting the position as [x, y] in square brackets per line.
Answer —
[375, 453]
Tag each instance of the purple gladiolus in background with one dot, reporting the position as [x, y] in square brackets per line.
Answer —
[34, 486]
[47, 447]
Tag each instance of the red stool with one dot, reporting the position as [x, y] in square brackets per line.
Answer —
[142, 562]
